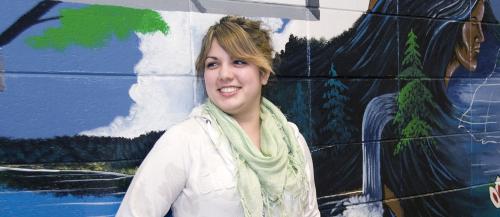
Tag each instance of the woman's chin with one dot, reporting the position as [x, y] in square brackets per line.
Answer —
[472, 67]
[228, 106]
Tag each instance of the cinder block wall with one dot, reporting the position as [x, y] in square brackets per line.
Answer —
[398, 100]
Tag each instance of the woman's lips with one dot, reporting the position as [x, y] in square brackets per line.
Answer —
[228, 91]
[477, 48]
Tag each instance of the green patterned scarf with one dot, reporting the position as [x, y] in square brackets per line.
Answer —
[264, 175]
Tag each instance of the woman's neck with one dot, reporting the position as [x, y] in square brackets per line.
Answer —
[250, 123]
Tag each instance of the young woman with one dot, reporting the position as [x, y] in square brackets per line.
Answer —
[236, 155]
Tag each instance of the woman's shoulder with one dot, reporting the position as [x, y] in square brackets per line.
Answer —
[185, 127]
[293, 126]
[188, 131]
[295, 129]
[300, 137]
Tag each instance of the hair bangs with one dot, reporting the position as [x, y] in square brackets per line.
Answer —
[236, 42]
[242, 39]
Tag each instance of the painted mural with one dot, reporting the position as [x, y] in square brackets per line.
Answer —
[398, 100]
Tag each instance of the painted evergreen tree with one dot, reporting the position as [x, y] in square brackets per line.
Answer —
[337, 120]
[414, 100]
[299, 111]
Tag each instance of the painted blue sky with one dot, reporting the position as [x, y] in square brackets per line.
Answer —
[49, 105]
[40, 102]
[116, 57]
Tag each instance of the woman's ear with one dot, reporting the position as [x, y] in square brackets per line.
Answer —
[264, 77]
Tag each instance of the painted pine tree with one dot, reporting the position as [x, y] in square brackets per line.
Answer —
[414, 100]
[337, 120]
[299, 110]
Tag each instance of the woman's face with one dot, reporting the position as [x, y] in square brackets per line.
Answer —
[472, 37]
[233, 85]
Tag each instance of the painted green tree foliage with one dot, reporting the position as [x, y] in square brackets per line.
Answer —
[298, 111]
[337, 120]
[414, 99]
[95, 25]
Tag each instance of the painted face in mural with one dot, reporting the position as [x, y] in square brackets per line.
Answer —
[233, 85]
[472, 37]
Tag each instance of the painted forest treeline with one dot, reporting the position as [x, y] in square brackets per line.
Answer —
[78, 148]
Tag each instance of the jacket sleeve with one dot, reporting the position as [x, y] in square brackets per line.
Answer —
[159, 180]
[312, 204]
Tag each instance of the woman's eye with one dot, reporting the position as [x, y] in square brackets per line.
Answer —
[210, 65]
[239, 62]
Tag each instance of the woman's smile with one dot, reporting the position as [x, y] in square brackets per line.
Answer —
[229, 90]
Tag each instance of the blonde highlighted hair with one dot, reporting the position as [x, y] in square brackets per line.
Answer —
[242, 39]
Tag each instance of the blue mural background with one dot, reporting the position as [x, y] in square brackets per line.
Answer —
[62, 111]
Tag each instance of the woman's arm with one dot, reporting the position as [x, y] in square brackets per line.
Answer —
[159, 180]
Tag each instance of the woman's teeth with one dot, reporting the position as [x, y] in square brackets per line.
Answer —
[228, 89]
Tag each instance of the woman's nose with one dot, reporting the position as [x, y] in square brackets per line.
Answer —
[225, 72]
[480, 34]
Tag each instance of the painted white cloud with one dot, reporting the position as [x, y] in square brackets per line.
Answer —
[165, 90]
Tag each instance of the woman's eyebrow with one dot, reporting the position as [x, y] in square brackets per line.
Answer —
[211, 57]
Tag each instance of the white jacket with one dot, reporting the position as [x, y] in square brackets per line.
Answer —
[191, 170]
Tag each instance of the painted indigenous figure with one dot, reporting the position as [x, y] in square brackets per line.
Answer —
[457, 51]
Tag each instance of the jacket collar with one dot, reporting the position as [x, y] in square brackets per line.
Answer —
[208, 124]
[219, 141]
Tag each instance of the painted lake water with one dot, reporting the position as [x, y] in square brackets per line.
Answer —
[51, 193]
